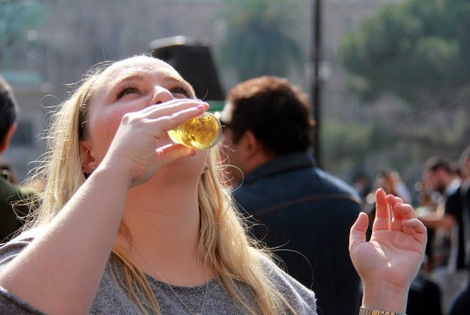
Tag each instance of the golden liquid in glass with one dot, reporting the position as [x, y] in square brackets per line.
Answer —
[201, 132]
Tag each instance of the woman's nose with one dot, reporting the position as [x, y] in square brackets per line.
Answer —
[161, 95]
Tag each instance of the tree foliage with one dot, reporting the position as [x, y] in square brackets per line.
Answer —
[17, 19]
[258, 39]
[418, 50]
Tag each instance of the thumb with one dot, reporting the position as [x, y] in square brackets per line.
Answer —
[172, 152]
[357, 234]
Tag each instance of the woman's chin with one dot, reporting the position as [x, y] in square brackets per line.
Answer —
[184, 168]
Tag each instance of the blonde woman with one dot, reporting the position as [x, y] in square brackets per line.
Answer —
[132, 223]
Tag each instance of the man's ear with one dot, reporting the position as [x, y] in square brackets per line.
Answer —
[6, 140]
[251, 145]
[252, 152]
[87, 157]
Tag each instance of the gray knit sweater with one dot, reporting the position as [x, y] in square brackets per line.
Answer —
[209, 298]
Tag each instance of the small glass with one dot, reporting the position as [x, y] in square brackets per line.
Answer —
[202, 132]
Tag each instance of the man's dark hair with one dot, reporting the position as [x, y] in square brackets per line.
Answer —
[434, 163]
[8, 108]
[277, 112]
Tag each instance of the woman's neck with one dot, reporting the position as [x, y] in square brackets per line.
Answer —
[163, 224]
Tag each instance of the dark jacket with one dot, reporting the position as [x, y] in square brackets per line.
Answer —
[457, 205]
[305, 215]
[13, 206]
[424, 297]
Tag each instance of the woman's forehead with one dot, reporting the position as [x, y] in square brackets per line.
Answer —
[139, 64]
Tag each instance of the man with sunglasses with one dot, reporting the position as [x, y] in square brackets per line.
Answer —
[299, 210]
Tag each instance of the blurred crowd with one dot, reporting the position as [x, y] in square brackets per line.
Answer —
[440, 200]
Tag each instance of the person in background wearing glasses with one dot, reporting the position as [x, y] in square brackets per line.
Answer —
[300, 210]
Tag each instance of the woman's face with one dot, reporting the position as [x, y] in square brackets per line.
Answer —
[128, 86]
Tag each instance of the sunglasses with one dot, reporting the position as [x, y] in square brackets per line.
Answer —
[225, 124]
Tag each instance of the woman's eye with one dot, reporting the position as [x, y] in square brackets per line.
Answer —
[180, 91]
[127, 91]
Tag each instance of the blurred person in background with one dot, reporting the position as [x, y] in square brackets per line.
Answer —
[7, 171]
[14, 199]
[425, 296]
[439, 177]
[402, 190]
[425, 203]
[456, 221]
[298, 209]
[459, 209]
[361, 183]
[443, 224]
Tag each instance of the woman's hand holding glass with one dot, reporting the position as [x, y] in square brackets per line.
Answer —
[141, 145]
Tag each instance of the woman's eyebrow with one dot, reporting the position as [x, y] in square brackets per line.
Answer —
[140, 77]
[133, 77]
[175, 80]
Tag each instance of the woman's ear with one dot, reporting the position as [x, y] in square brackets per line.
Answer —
[86, 155]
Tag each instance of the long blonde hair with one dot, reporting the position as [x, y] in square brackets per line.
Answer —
[223, 244]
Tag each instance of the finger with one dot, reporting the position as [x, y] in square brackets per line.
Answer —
[404, 211]
[169, 107]
[382, 212]
[401, 211]
[171, 152]
[357, 234]
[159, 125]
[415, 228]
[393, 200]
[172, 121]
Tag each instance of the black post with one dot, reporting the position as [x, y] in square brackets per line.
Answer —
[316, 82]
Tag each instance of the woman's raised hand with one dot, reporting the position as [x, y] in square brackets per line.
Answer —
[391, 259]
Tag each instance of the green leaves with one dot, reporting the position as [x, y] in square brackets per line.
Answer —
[19, 21]
[17, 17]
[259, 38]
[416, 49]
